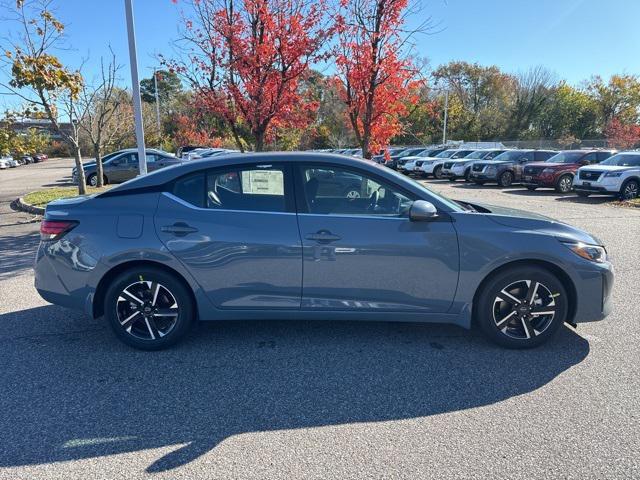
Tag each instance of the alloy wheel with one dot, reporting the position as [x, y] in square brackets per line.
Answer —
[147, 310]
[524, 309]
[630, 191]
[93, 180]
[353, 194]
[565, 184]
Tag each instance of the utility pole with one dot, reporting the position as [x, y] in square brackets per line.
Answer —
[155, 83]
[446, 115]
[135, 87]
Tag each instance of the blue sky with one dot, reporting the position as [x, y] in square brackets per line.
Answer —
[573, 38]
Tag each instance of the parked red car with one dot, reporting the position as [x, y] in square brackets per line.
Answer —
[40, 157]
[558, 171]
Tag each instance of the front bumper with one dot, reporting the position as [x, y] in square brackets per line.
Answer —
[594, 294]
[538, 181]
[485, 177]
[606, 186]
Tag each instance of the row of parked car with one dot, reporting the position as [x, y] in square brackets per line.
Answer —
[586, 171]
[10, 162]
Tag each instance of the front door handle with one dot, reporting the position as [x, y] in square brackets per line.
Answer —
[179, 229]
[323, 236]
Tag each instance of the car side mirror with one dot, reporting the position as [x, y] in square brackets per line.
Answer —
[422, 211]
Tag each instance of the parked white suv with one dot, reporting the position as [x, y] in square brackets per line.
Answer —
[617, 175]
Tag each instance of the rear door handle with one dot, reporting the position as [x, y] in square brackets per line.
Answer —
[323, 236]
[179, 229]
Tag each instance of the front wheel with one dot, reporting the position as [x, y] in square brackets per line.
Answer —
[437, 172]
[505, 179]
[630, 190]
[148, 308]
[521, 307]
[564, 184]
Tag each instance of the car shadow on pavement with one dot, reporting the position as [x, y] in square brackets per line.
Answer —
[537, 193]
[78, 393]
[12, 253]
[586, 200]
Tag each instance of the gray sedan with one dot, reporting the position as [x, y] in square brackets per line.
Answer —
[266, 236]
[123, 165]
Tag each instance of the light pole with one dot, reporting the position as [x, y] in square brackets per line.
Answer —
[155, 85]
[446, 117]
[135, 87]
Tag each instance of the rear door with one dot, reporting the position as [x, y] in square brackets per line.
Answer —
[235, 229]
[363, 253]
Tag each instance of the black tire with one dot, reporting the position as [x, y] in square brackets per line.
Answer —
[532, 189]
[437, 172]
[583, 194]
[514, 325]
[148, 330]
[630, 190]
[92, 180]
[564, 183]
[467, 174]
[505, 179]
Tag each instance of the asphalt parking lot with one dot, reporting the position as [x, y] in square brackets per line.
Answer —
[313, 399]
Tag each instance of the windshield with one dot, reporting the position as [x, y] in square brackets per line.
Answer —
[566, 157]
[623, 160]
[446, 154]
[509, 156]
[477, 154]
[448, 202]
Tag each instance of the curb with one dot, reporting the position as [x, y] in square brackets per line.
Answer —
[19, 204]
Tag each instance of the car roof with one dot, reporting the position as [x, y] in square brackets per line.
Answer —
[162, 176]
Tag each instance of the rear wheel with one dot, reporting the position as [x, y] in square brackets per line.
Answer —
[564, 184]
[630, 190]
[522, 307]
[505, 179]
[148, 308]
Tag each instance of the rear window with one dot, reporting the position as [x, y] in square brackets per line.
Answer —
[191, 189]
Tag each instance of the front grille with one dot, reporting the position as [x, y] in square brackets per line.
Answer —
[448, 165]
[533, 170]
[590, 174]
[478, 167]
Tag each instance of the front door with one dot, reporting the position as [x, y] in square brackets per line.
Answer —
[235, 229]
[361, 252]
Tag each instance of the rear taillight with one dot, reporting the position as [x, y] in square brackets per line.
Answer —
[55, 229]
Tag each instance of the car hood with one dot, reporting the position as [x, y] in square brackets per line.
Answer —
[523, 220]
[607, 168]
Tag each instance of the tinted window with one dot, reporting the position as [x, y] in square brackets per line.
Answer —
[603, 155]
[461, 153]
[191, 189]
[446, 154]
[255, 189]
[542, 156]
[566, 157]
[345, 192]
[510, 155]
[590, 158]
[492, 155]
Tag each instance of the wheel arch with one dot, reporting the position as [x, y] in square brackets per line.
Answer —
[103, 284]
[550, 267]
[629, 179]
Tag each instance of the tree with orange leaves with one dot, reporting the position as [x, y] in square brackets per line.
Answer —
[245, 60]
[379, 81]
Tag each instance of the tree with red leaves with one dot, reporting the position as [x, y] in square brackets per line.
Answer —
[621, 135]
[379, 80]
[245, 60]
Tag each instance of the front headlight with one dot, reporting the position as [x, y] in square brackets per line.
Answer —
[548, 170]
[613, 174]
[593, 253]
